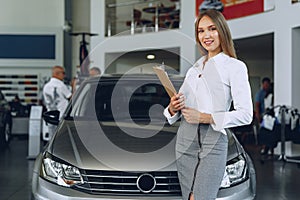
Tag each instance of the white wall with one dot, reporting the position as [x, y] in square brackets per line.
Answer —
[31, 13]
[32, 17]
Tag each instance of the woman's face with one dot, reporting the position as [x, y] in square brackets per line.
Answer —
[209, 36]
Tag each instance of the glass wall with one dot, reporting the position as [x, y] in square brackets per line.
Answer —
[140, 16]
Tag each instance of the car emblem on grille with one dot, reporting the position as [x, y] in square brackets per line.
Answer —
[146, 183]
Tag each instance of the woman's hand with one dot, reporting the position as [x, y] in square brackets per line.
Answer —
[176, 103]
[193, 116]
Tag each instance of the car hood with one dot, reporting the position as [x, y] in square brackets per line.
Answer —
[122, 146]
[110, 146]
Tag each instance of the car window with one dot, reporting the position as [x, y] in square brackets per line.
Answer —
[122, 100]
[80, 105]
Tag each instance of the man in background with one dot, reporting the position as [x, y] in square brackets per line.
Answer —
[260, 98]
[94, 71]
[56, 94]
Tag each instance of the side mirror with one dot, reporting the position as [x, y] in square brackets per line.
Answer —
[51, 117]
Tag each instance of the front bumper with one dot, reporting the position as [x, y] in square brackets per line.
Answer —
[43, 190]
[242, 191]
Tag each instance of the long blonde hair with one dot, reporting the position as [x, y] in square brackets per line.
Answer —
[227, 45]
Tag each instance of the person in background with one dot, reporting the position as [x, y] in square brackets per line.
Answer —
[17, 109]
[94, 71]
[203, 104]
[3, 102]
[5, 118]
[266, 138]
[56, 94]
[269, 98]
[260, 98]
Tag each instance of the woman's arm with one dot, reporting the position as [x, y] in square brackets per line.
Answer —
[241, 95]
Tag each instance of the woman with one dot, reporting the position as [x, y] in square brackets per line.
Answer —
[203, 102]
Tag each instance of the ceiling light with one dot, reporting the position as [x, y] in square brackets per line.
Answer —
[150, 56]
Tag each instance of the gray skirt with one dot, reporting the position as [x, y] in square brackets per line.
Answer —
[201, 155]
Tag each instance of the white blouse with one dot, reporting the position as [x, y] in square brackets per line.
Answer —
[211, 89]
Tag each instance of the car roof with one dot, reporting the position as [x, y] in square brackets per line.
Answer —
[110, 77]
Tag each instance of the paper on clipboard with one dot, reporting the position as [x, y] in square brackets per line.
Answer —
[164, 79]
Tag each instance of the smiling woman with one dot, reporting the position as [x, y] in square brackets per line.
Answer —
[203, 104]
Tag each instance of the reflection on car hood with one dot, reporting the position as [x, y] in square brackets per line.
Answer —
[124, 146]
[94, 145]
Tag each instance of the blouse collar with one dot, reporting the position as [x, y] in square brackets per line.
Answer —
[220, 57]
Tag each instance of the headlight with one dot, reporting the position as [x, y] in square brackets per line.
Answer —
[60, 173]
[236, 172]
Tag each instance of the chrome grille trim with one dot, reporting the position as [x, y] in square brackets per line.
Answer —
[111, 190]
[125, 183]
[102, 176]
[111, 183]
[167, 184]
[125, 191]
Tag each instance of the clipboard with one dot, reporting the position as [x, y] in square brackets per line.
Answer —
[164, 79]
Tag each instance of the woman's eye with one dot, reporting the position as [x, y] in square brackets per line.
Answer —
[200, 30]
[212, 29]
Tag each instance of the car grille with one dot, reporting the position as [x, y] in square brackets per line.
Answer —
[125, 183]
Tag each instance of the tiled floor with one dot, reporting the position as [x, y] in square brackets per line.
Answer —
[276, 180]
[15, 171]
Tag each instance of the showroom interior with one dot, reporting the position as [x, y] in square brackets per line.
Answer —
[119, 36]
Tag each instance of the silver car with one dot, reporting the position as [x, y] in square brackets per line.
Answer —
[114, 143]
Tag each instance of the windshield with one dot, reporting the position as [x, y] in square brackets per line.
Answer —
[136, 100]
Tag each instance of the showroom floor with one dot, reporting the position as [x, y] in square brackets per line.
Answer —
[275, 179]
